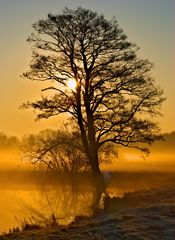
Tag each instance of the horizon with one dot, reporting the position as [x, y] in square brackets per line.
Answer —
[160, 159]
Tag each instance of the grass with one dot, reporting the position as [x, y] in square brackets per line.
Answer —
[34, 223]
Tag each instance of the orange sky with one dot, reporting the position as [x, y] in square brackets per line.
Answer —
[149, 23]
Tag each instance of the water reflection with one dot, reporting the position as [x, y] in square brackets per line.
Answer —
[27, 197]
[64, 201]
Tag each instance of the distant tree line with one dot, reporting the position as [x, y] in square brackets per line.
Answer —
[8, 141]
[49, 147]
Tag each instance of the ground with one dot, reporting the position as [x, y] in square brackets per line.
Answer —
[141, 215]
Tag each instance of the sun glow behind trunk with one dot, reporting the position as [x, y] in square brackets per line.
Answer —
[72, 84]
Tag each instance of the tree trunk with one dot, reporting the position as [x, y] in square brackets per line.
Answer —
[90, 146]
[99, 182]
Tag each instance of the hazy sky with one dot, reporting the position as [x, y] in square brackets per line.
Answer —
[149, 23]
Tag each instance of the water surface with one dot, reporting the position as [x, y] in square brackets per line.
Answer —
[30, 198]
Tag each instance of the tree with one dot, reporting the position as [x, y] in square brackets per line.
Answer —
[60, 151]
[98, 79]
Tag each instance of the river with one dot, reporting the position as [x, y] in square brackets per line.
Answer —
[30, 199]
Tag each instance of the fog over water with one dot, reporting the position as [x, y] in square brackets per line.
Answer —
[27, 195]
[28, 192]
[161, 157]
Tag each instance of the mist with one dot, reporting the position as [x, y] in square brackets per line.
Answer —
[161, 157]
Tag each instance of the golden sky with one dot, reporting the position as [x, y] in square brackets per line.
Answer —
[149, 23]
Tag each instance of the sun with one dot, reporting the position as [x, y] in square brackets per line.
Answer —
[72, 84]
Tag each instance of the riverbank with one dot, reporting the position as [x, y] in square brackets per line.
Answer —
[141, 215]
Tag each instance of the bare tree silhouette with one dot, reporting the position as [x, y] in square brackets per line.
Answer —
[60, 151]
[112, 98]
